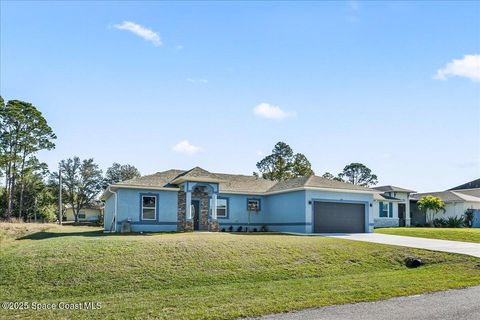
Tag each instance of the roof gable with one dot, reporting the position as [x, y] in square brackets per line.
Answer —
[448, 196]
[390, 188]
[196, 174]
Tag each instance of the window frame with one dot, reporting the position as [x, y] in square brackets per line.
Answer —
[258, 200]
[227, 206]
[84, 213]
[142, 196]
[385, 213]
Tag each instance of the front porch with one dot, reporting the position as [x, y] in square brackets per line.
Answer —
[195, 207]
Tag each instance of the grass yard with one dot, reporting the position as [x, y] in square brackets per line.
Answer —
[207, 276]
[456, 234]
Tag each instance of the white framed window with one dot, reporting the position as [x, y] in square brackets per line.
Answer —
[222, 207]
[149, 207]
[82, 215]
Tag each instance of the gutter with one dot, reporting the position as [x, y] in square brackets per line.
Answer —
[114, 219]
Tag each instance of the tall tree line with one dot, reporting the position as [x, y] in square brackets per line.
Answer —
[23, 132]
[283, 164]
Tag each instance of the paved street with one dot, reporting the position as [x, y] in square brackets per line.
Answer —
[461, 304]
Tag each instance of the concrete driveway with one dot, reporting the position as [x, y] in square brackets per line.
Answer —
[468, 248]
[446, 305]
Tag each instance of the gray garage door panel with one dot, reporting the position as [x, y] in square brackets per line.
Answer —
[339, 217]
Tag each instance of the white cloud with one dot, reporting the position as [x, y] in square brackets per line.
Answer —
[197, 80]
[265, 110]
[186, 147]
[140, 31]
[468, 67]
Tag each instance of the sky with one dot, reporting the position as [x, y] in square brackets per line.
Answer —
[160, 85]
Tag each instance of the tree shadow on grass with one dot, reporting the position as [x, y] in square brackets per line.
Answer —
[42, 235]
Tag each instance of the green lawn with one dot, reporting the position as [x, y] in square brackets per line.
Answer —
[212, 276]
[456, 234]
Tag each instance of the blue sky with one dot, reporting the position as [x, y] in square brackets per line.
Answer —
[395, 86]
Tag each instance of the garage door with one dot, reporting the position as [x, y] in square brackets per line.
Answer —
[338, 217]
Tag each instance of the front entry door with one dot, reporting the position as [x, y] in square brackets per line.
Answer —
[196, 214]
[401, 214]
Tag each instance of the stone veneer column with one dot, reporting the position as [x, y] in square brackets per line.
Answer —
[184, 224]
[204, 211]
[181, 211]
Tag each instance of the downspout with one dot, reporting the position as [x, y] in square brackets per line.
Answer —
[114, 219]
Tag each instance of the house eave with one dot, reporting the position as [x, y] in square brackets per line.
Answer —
[125, 186]
[129, 186]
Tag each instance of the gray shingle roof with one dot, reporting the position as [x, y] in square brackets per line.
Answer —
[392, 189]
[471, 192]
[447, 196]
[242, 183]
[468, 185]
[320, 182]
[159, 179]
[315, 182]
[384, 197]
[239, 183]
[197, 172]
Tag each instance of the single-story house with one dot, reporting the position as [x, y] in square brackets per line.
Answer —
[90, 213]
[457, 201]
[177, 200]
[392, 206]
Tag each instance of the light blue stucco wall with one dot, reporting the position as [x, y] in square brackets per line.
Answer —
[282, 212]
[286, 212]
[316, 195]
[238, 213]
[129, 208]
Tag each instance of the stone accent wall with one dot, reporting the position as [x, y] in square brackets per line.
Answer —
[181, 212]
[214, 226]
[186, 226]
[386, 222]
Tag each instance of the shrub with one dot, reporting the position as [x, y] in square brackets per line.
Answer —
[455, 222]
[468, 216]
[450, 222]
[440, 223]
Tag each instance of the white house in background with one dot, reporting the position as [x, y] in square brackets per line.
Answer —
[91, 213]
[392, 207]
[457, 201]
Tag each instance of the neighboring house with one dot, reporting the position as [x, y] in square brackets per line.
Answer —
[457, 201]
[90, 213]
[177, 200]
[392, 207]
[475, 184]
